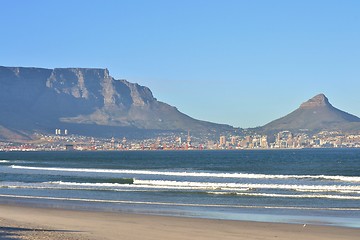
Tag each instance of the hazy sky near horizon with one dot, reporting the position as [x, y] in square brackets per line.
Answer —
[243, 63]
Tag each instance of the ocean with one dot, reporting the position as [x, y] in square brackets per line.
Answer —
[305, 186]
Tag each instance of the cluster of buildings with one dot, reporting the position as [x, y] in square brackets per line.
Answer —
[289, 140]
[61, 140]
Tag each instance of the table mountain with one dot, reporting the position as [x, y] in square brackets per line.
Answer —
[315, 115]
[86, 101]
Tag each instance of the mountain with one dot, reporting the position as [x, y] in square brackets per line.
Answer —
[86, 101]
[315, 115]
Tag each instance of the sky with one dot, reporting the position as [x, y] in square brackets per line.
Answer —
[243, 63]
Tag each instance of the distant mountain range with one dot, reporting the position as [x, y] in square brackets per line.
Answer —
[314, 115]
[89, 101]
[85, 101]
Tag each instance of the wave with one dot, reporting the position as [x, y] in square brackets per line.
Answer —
[246, 190]
[85, 188]
[275, 195]
[138, 184]
[106, 180]
[174, 204]
[325, 190]
[206, 186]
[82, 187]
[4, 161]
[230, 186]
[195, 174]
[174, 185]
[130, 183]
[88, 184]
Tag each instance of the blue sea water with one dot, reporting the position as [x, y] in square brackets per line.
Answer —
[313, 186]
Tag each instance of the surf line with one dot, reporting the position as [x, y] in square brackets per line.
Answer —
[172, 204]
[194, 174]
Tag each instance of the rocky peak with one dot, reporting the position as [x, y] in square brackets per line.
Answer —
[319, 100]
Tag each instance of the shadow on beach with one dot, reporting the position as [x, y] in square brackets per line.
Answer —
[11, 233]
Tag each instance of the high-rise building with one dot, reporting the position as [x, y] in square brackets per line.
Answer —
[112, 143]
[233, 140]
[264, 142]
[188, 139]
[222, 140]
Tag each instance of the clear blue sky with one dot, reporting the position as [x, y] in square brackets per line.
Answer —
[243, 63]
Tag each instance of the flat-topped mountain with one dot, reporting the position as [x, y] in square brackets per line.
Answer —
[86, 101]
[314, 115]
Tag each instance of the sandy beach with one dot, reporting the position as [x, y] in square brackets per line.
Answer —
[39, 223]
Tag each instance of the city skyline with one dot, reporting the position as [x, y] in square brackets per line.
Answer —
[240, 63]
[62, 140]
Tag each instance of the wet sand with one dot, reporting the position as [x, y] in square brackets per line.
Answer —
[40, 223]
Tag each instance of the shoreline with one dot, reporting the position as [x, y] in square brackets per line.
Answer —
[180, 150]
[243, 213]
[23, 222]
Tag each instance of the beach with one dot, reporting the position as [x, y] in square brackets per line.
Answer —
[19, 222]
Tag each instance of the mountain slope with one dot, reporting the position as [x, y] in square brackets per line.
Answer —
[314, 115]
[87, 101]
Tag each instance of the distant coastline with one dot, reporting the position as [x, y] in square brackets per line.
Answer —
[282, 140]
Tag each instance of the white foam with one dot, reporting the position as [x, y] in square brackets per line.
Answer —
[4, 161]
[140, 184]
[194, 174]
[326, 190]
[301, 196]
[207, 186]
[88, 184]
[74, 187]
[230, 186]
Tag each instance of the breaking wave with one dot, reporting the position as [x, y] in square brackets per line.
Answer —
[220, 188]
[195, 174]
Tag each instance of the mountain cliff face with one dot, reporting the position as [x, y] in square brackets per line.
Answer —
[314, 115]
[87, 101]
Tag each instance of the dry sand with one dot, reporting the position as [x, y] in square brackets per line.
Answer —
[37, 223]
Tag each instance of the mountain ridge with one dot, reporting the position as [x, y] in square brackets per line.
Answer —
[89, 101]
[40, 99]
